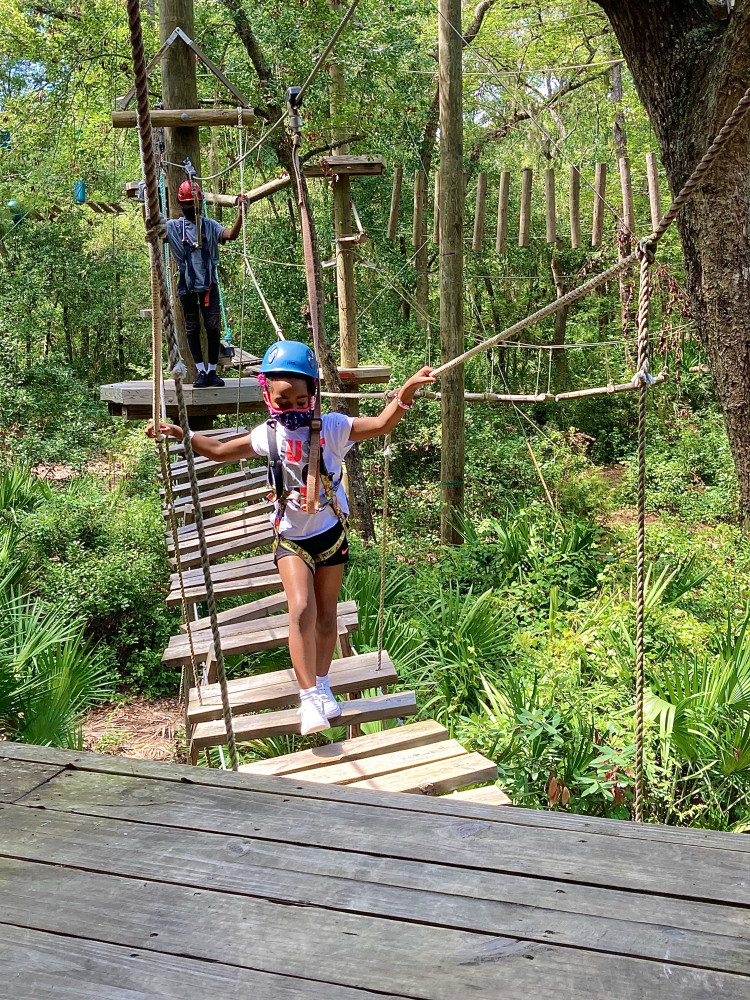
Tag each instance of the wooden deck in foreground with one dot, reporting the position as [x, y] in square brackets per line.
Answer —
[129, 880]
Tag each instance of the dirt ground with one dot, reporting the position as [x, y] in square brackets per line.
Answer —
[148, 729]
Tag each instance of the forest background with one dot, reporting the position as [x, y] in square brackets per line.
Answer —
[521, 640]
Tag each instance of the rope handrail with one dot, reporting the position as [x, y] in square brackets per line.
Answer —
[155, 234]
[688, 189]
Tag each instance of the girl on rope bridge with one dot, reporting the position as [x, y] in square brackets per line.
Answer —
[310, 549]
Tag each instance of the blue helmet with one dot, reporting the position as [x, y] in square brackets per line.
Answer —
[290, 357]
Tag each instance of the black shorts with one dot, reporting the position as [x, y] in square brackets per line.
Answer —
[317, 544]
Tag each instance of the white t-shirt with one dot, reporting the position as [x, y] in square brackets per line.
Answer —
[294, 450]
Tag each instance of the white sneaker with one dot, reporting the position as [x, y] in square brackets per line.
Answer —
[312, 716]
[331, 707]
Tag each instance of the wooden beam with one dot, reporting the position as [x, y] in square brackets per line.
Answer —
[398, 176]
[574, 205]
[600, 187]
[419, 240]
[355, 166]
[524, 221]
[451, 267]
[502, 212]
[550, 209]
[479, 212]
[176, 118]
[626, 186]
[654, 194]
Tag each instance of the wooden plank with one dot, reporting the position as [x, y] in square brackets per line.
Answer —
[245, 637]
[502, 212]
[578, 916]
[18, 777]
[354, 166]
[600, 187]
[574, 206]
[626, 186]
[228, 570]
[654, 194]
[387, 763]
[280, 688]
[37, 965]
[225, 497]
[479, 212]
[260, 538]
[286, 721]
[244, 613]
[398, 177]
[490, 795]
[449, 806]
[524, 222]
[228, 517]
[245, 524]
[390, 740]
[550, 209]
[237, 586]
[435, 778]
[225, 479]
[186, 117]
[495, 840]
[421, 960]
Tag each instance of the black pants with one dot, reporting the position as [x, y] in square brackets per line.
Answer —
[194, 303]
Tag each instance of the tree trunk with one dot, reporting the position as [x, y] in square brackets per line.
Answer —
[690, 70]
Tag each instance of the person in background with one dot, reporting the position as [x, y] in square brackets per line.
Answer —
[198, 288]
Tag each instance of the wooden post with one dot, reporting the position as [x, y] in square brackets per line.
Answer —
[451, 267]
[502, 212]
[600, 187]
[574, 203]
[628, 214]
[419, 240]
[436, 211]
[342, 223]
[524, 221]
[179, 90]
[398, 176]
[654, 194]
[550, 212]
[479, 212]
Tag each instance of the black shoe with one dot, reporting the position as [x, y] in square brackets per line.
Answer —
[201, 381]
[213, 381]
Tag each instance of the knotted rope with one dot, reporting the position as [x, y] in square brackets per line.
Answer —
[646, 254]
[155, 235]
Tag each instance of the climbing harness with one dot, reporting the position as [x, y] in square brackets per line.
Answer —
[282, 496]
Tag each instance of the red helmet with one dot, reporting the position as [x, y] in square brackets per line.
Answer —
[185, 192]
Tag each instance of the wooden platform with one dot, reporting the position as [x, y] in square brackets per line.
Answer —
[133, 400]
[141, 880]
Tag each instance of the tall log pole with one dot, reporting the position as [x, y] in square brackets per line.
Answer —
[342, 224]
[179, 90]
[419, 240]
[451, 208]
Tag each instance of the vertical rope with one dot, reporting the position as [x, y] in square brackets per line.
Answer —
[383, 549]
[644, 297]
[155, 233]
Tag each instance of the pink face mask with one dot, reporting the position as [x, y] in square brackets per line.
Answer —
[293, 418]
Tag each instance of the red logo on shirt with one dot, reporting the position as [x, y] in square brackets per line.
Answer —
[294, 451]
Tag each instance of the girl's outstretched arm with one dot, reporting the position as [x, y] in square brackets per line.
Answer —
[364, 428]
[218, 451]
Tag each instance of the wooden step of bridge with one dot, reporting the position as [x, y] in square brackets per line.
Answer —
[286, 721]
[248, 637]
[236, 493]
[243, 476]
[420, 757]
[251, 575]
[259, 537]
[246, 520]
[261, 608]
[279, 689]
